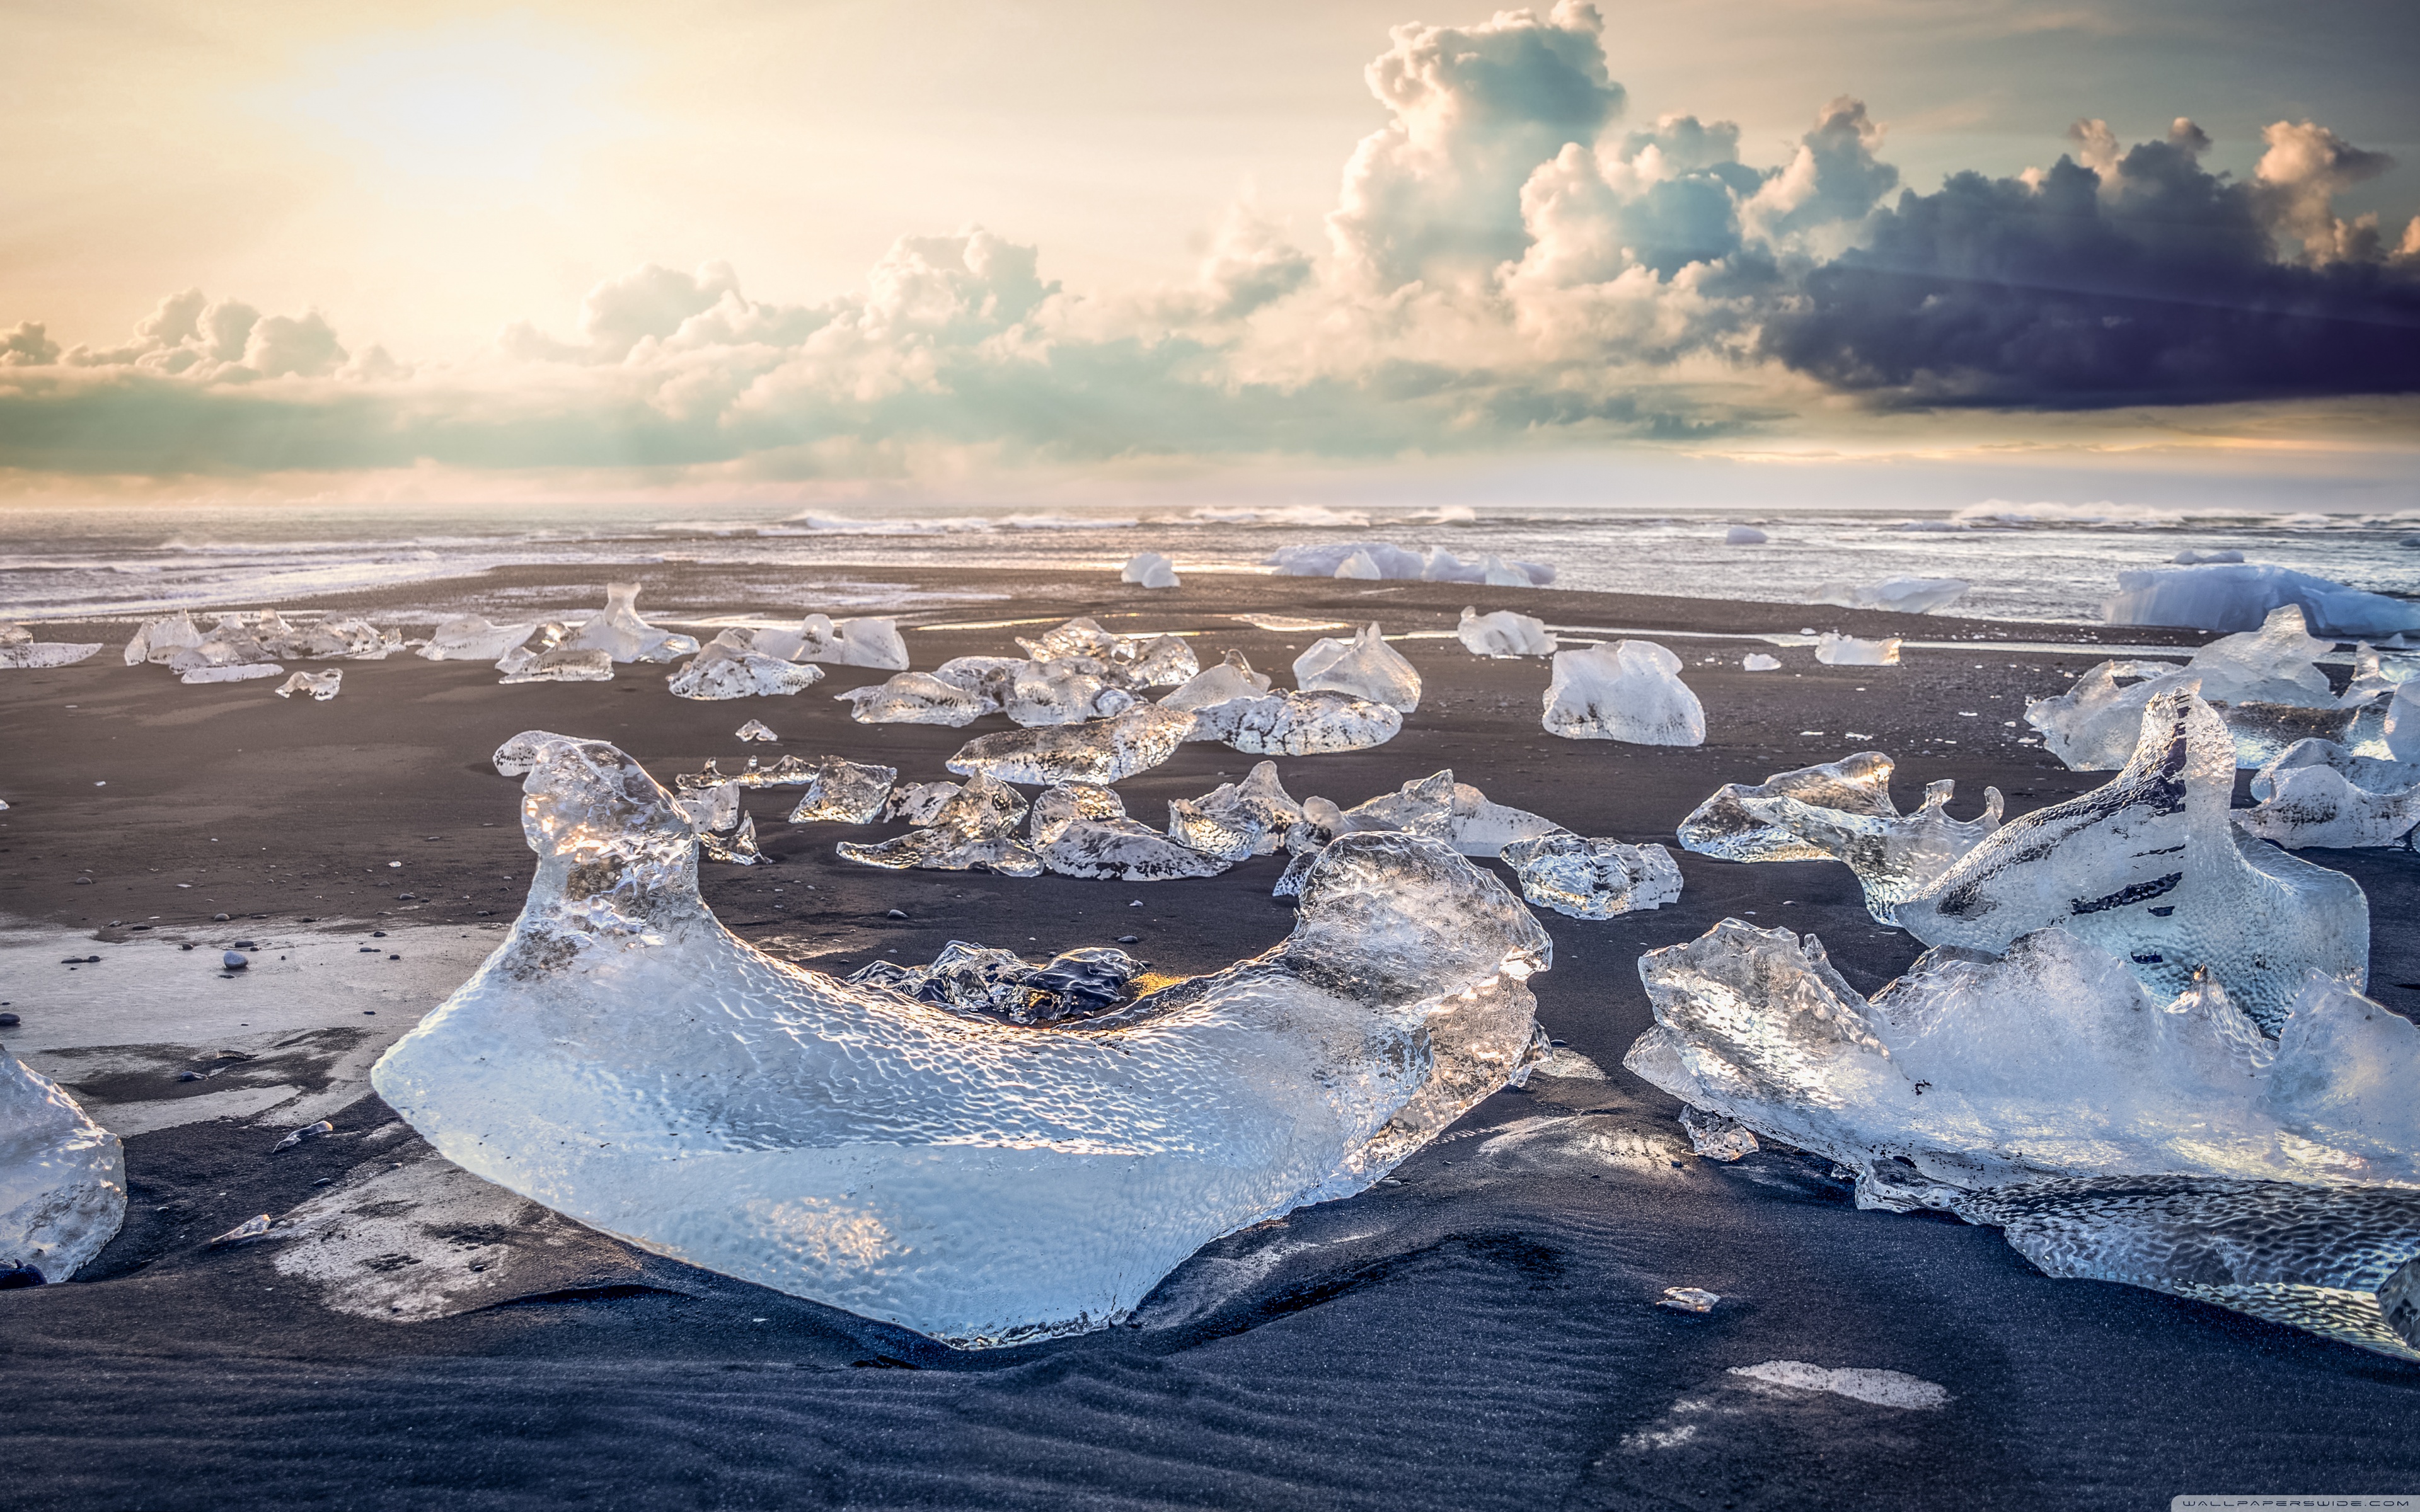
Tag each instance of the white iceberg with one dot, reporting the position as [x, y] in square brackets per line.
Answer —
[321, 685]
[857, 642]
[1434, 564]
[1232, 678]
[846, 793]
[1297, 724]
[1503, 633]
[1744, 535]
[1848, 650]
[1629, 691]
[617, 631]
[564, 664]
[1586, 878]
[731, 668]
[1759, 662]
[916, 698]
[981, 1182]
[1365, 666]
[2239, 596]
[1359, 564]
[1149, 569]
[1904, 595]
[62, 1177]
[468, 637]
[1097, 750]
[2317, 792]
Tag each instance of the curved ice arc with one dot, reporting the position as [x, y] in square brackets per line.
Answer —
[627, 1061]
[62, 1176]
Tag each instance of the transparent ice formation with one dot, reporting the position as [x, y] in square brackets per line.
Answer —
[1438, 808]
[2264, 731]
[920, 803]
[2240, 596]
[1232, 678]
[1297, 724]
[1758, 661]
[1003, 986]
[1149, 569]
[736, 845]
[1848, 650]
[1431, 564]
[1842, 810]
[2274, 664]
[916, 698]
[2337, 1261]
[156, 641]
[564, 664]
[1056, 808]
[2317, 792]
[2150, 867]
[62, 1176]
[1360, 566]
[24, 651]
[1503, 634]
[2402, 734]
[321, 685]
[1081, 830]
[1904, 595]
[846, 793]
[472, 637]
[1365, 666]
[1162, 662]
[1585, 878]
[1744, 535]
[960, 829]
[859, 642]
[1131, 661]
[755, 730]
[617, 631]
[1066, 691]
[730, 667]
[1098, 751]
[1236, 819]
[2263, 683]
[789, 772]
[1629, 691]
[242, 673]
[981, 1182]
[1716, 1136]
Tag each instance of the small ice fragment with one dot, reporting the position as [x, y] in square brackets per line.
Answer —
[2317, 792]
[308, 1131]
[472, 637]
[1759, 662]
[731, 668]
[1882, 1388]
[245, 1232]
[1629, 691]
[916, 698]
[1503, 633]
[1744, 535]
[234, 959]
[1848, 650]
[62, 1176]
[564, 664]
[1360, 566]
[1232, 678]
[18, 648]
[242, 673]
[1690, 1298]
[857, 642]
[2198, 559]
[1584, 878]
[1001, 986]
[1061, 805]
[321, 685]
[1904, 595]
[1064, 692]
[1236, 819]
[737, 846]
[755, 730]
[1365, 666]
[1297, 724]
[1150, 570]
[617, 631]
[1098, 751]
[156, 641]
[1124, 850]
[1714, 1136]
[1498, 573]
[846, 793]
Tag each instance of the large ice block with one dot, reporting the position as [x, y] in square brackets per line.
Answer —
[858, 643]
[564, 664]
[1586, 878]
[1149, 569]
[2317, 792]
[1629, 691]
[1904, 595]
[468, 638]
[156, 641]
[2240, 596]
[1232, 678]
[847, 792]
[2274, 664]
[731, 668]
[62, 1177]
[916, 698]
[1503, 633]
[1365, 666]
[983, 1182]
[1297, 724]
[1097, 750]
[617, 631]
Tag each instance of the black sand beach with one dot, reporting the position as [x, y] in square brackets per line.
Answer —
[1480, 1333]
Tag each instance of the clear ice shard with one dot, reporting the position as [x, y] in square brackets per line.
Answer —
[847, 792]
[2401, 732]
[736, 845]
[1586, 878]
[1503, 634]
[18, 648]
[2239, 596]
[755, 730]
[156, 641]
[617, 631]
[62, 1176]
[1232, 678]
[2337, 1261]
[1098, 751]
[978, 1182]
[1365, 666]
[321, 685]
[1297, 724]
[2317, 792]
[1238, 819]
[1629, 691]
[1131, 661]
[1758, 661]
[1066, 692]
[1842, 810]
[1149, 569]
[1003, 987]
[916, 698]
[1848, 650]
[1439, 807]
[2274, 664]
[1904, 595]
[2263, 683]
[2149, 866]
[471, 637]
[1120, 849]
[564, 664]
[239, 672]
[1056, 808]
[731, 668]
[968, 828]
[859, 642]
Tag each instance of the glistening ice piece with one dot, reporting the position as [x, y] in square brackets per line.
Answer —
[321, 685]
[916, 698]
[1297, 724]
[1585, 878]
[731, 668]
[1630, 691]
[1848, 650]
[617, 631]
[981, 1182]
[1366, 667]
[2317, 792]
[472, 638]
[1904, 595]
[62, 1176]
[1149, 569]
[1503, 634]
[864, 642]
[1099, 750]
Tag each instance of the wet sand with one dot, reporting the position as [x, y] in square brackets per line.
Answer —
[1482, 1333]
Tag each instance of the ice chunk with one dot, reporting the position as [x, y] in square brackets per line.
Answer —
[2317, 792]
[564, 664]
[1584, 878]
[1842, 810]
[858, 643]
[1233, 678]
[1904, 595]
[1084, 637]
[1423, 807]
[1056, 692]
[1060, 805]
[2148, 865]
[1297, 724]
[920, 803]
[1125, 850]
[1690, 1298]
[737, 846]
[1323, 559]
[1098, 751]
[1716, 1136]
[2264, 731]
[1503, 634]
[1848, 650]
[2271, 665]
[1629, 691]
[983, 1182]
[2233, 596]
[472, 638]
[984, 808]
[243, 673]
[156, 641]
[24, 651]
[2402, 730]
[1758, 661]
[2092, 727]
[916, 698]
[970, 829]
[2198, 559]
[1150, 570]
[846, 793]
[1744, 535]
[1360, 566]
[321, 685]
[235, 640]
[1497, 572]
[617, 631]
[1365, 666]
[789, 772]
[62, 1177]
[755, 730]
[731, 668]
[998, 985]
[1162, 662]
[1238, 819]
[351, 636]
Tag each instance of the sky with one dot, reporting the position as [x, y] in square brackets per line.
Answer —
[1023, 251]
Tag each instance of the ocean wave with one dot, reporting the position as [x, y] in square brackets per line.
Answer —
[1315, 514]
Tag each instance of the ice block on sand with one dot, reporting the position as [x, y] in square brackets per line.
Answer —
[1365, 666]
[62, 1178]
[1503, 634]
[617, 631]
[1629, 691]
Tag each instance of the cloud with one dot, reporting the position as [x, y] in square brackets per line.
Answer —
[28, 346]
[223, 341]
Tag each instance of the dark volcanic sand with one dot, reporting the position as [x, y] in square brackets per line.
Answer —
[1481, 1335]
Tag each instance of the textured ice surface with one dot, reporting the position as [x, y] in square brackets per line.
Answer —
[1906, 596]
[62, 1176]
[2317, 792]
[1629, 691]
[1758, 661]
[1056, 808]
[970, 828]
[2239, 598]
[1099, 750]
[1842, 810]
[1138, 660]
[29, 652]
[1232, 678]
[2264, 731]
[1238, 819]
[156, 641]
[2337, 1261]
[1149, 569]
[564, 664]
[1716, 1135]
[617, 631]
[1585, 878]
[916, 698]
[321, 685]
[1503, 634]
[736, 845]
[755, 730]
[243, 673]
[1066, 691]
[472, 638]
[2273, 664]
[628, 1062]
[1438, 808]
[1117, 848]
[2401, 732]
[1003, 986]
[1848, 650]
[1297, 724]
[860, 642]
[731, 668]
[2092, 727]
[846, 793]
[1433, 565]
[1365, 666]
[1360, 566]
[2149, 866]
